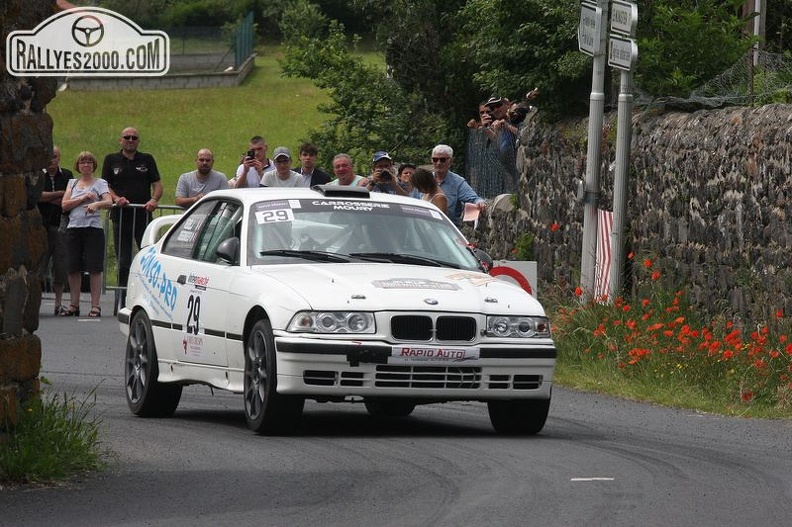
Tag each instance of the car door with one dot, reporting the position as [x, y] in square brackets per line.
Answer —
[202, 281]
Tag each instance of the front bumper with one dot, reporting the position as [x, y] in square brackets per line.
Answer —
[355, 368]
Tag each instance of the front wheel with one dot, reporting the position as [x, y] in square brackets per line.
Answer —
[146, 396]
[266, 411]
[518, 416]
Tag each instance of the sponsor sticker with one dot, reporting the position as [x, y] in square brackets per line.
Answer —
[433, 355]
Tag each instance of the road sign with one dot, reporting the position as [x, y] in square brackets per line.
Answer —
[624, 17]
[521, 272]
[589, 29]
[622, 53]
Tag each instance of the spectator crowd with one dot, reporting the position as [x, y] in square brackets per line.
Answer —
[128, 184]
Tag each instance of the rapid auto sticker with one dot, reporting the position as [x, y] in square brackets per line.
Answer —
[157, 284]
[433, 354]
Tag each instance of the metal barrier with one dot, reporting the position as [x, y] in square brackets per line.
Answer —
[128, 223]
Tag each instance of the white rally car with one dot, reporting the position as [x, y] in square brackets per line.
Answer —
[331, 294]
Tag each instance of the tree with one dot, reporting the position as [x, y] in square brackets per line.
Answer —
[684, 43]
[368, 111]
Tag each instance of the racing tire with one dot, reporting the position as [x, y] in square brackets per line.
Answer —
[267, 412]
[389, 407]
[518, 416]
[145, 395]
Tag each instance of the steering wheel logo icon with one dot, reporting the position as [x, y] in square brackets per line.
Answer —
[88, 31]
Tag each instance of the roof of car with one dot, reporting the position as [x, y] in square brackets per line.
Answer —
[252, 195]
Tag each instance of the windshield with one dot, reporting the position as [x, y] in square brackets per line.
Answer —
[353, 230]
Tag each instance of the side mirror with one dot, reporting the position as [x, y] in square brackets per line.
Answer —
[228, 251]
[485, 260]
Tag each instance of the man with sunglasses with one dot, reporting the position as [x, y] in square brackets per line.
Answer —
[454, 186]
[134, 180]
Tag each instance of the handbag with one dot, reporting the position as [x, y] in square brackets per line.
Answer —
[64, 223]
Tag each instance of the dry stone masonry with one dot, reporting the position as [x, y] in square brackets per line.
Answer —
[25, 148]
[709, 202]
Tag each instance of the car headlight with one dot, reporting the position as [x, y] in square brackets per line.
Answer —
[332, 322]
[518, 327]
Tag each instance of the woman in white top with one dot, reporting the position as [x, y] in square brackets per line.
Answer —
[84, 239]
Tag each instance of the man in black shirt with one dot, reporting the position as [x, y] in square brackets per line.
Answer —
[134, 180]
[49, 205]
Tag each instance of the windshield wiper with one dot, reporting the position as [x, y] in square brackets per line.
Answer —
[403, 258]
[316, 256]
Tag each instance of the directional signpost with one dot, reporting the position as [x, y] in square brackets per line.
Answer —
[622, 54]
[590, 29]
[591, 40]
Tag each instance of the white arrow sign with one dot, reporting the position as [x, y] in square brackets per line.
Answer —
[624, 17]
[623, 53]
[589, 29]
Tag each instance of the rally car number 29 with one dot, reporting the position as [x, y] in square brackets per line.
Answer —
[331, 294]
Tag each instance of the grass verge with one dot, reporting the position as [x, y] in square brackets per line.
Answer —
[656, 347]
[174, 124]
[55, 437]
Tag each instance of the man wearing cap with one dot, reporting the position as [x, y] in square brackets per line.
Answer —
[382, 178]
[194, 185]
[282, 176]
[504, 135]
[454, 186]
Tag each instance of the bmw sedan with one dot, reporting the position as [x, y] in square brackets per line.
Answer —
[331, 294]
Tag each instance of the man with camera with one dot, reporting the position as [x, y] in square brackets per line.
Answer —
[382, 178]
[253, 165]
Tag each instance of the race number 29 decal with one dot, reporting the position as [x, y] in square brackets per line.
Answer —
[274, 216]
[193, 314]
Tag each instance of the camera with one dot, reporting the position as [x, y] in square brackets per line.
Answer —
[385, 175]
[251, 154]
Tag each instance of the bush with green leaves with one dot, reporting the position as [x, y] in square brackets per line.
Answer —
[684, 43]
[369, 110]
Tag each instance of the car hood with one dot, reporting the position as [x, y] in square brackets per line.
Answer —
[379, 286]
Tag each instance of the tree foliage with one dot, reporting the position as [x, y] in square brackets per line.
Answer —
[368, 111]
[684, 43]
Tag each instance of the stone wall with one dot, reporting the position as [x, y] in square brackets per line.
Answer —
[708, 201]
[25, 148]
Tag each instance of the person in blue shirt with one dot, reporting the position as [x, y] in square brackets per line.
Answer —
[453, 185]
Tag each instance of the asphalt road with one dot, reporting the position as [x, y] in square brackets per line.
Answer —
[599, 461]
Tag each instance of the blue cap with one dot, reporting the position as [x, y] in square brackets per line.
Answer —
[382, 155]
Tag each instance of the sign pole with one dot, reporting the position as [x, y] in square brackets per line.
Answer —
[623, 139]
[622, 54]
[596, 111]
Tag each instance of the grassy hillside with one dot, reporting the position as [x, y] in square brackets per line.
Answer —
[174, 124]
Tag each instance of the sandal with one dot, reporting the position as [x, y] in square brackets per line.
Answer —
[96, 312]
[73, 311]
[59, 309]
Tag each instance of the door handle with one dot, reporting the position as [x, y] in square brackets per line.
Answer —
[182, 279]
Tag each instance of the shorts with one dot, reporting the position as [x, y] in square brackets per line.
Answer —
[85, 249]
